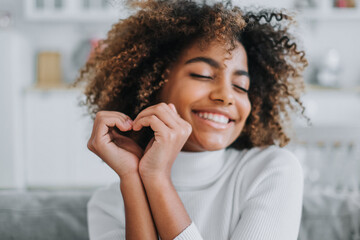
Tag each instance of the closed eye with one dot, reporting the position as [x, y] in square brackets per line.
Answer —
[208, 77]
[199, 76]
[241, 88]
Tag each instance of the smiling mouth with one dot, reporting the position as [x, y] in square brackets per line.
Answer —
[214, 117]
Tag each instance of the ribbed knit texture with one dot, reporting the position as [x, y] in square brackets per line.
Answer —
[229, 194]
[191, 232]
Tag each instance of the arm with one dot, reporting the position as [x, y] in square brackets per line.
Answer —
[106, 219]
[170, 134]
[122, 155]
[139, 223]
[169, 212]
[273, 205]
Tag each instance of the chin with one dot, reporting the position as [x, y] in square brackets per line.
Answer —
[201, 143]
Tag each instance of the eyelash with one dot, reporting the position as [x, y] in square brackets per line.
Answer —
[208, 77]
[200, 76]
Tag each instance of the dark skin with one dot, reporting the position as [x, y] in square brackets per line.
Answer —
[204, 106]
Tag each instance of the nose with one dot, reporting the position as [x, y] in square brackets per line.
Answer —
[223, 94]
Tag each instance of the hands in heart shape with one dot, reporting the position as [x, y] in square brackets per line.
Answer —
[125, 156]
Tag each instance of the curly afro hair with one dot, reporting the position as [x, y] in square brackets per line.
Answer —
[130, 66]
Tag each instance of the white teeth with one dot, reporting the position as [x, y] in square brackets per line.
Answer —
[214, 117]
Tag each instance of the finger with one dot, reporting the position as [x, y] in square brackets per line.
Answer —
[104, 124]
[115, 132]
[163, 112]
[107, 114]
[158, 109]
[113, 114]
[150, 121]
[104, 121]
[129, 145]
[101, 135]
[172, 106]
[149, 145]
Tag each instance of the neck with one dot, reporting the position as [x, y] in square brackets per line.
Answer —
[196, 168]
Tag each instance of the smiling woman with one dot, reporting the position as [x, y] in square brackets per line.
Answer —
[209, 90]
[190, 104]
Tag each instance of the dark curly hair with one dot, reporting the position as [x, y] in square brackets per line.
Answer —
[130, 66]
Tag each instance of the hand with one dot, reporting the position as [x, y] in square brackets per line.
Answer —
[170, 134]
[121, 153]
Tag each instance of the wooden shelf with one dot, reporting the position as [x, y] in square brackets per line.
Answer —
[61, 88]
[318, 88]
[72, 11]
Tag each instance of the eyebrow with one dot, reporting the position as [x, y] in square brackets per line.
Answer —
[215, 64]
[207, 60]
[242, 73]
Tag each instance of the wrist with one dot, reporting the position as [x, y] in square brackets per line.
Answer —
[158, 181]
[129, 178]
[154, 176]
[128, 174]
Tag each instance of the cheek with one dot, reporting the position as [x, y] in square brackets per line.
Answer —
[244, 107]
[182, 101]
[189, 93]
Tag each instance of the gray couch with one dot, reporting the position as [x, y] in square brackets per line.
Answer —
[43, 215]
[52, 215]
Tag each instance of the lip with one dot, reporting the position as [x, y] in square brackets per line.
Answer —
[216, 111]
[205, 122]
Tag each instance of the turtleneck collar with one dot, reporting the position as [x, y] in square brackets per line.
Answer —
[192, 169]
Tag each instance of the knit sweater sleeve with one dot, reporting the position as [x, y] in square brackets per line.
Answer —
[104, 214]
[190, 233]
[106, 219]
[273, 204]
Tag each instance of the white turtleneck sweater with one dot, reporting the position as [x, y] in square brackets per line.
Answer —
[229, 194]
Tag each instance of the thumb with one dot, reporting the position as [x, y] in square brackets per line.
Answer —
[149, 144]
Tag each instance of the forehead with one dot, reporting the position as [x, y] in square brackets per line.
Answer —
[220, 52]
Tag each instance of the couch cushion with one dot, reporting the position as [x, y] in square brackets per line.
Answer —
[43, 215]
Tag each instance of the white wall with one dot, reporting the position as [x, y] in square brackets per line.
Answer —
[6, 124]
[37, 125]
[44, 133]
[265, 3]
[15, 69]
[57, 131]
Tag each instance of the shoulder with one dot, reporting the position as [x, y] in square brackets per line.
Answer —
[262, 158]
[259, 164]
[268, 190]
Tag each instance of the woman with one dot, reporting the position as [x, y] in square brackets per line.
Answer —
[191, 104]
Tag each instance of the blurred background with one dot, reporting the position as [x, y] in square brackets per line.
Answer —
[43, 131]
